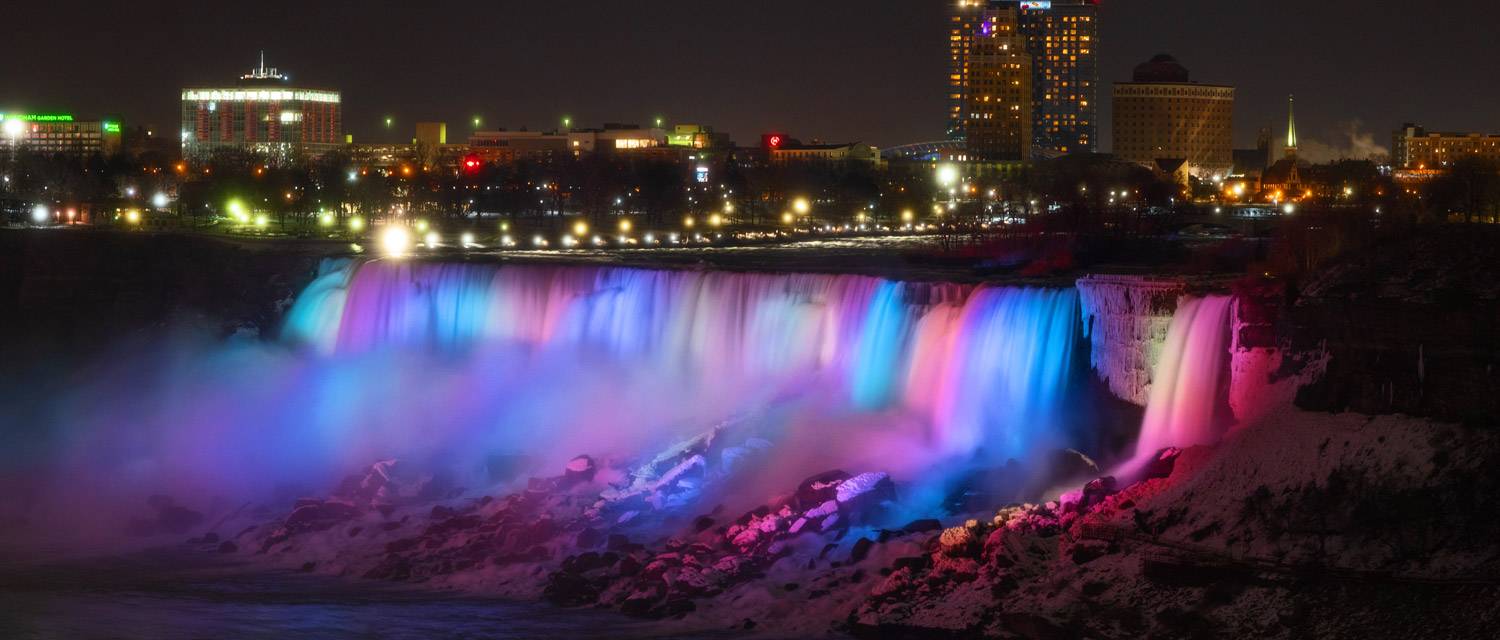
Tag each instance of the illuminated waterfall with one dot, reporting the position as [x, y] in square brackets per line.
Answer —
[452, 366]
[1188, 404]
[983, 369]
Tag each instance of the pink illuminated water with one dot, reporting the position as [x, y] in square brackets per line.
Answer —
[447, 366]
[1188, 402]
[978, 369]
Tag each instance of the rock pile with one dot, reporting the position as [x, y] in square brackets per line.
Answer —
[666, 581]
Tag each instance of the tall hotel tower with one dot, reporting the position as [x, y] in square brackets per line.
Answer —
[1062, 39]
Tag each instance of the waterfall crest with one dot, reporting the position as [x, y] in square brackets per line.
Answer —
[986, 368]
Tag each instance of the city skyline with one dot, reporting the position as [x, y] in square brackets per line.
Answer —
[415, 66]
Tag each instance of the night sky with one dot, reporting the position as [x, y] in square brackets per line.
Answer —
[869, 70]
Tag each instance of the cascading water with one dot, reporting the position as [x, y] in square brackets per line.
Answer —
[984, 369]
[453, 366]
[1188, 403]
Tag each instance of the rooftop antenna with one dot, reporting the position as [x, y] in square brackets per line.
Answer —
[263, 72]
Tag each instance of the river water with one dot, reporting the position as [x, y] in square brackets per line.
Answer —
[172, 594]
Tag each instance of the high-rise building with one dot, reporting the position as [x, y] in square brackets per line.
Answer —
[964, 20]
[263, 114]
[1062, 37]
[998, 111]
[1161, 114]
[58, 134]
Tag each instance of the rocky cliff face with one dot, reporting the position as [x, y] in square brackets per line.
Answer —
[1126, 320]
[1411, 326]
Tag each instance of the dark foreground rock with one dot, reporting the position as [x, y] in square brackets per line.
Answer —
[1306, 526]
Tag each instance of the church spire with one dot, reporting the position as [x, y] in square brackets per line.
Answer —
[1293, 177]
[1291, 125]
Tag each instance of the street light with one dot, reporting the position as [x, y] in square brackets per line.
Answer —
[159, 200]
[801, 206]
[947, 175]
[395, 241]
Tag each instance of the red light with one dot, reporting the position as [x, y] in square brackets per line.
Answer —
[775, 141]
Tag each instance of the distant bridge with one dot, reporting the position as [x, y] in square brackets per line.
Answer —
[934, 150]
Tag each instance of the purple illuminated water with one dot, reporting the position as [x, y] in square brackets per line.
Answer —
[446, 366]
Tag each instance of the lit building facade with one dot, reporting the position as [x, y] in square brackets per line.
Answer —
[964, 20]
[509, 146]
[698, 137]
[1162, 114]
[1416, 149]
[616, 137]
[58, 134]
[263, 115]
[781, 149]
[998, 114]
[1062, 37]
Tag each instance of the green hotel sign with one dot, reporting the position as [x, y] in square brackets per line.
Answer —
[111, 127]
[38, 117]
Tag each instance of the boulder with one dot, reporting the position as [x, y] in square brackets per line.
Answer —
[865, 496]
[580, 470]
[1161, 464]
[861, 550]
[818, 489]
[1096, 491]
[316, 517]
[374, 485]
